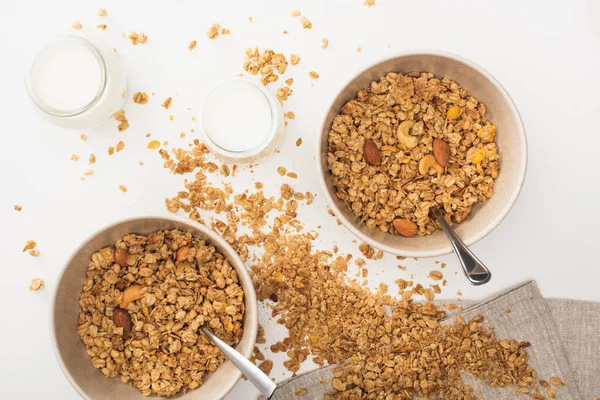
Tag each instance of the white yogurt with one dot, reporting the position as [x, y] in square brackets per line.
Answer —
[76, 83]
[240, 121]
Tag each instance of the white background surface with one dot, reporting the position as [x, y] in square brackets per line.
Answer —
[546, 54]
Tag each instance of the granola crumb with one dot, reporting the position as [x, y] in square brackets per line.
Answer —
[250, 19]
[300, 392]
[83, 137]
[324, 43]
[358, 50]
[36, 284]
[283, 93]
[29, 245]
[225, 31]
[137, 38]
[213, 31]
[443, 265]
[289, 115]
[508, 310]
[17, 207]
[155, 144]
[102, 12]
[369, 3]
[295, 13]
[141, 163]
[123, 188]
[313, 75]
[294, 59]
[292, 175]
[92, 158]
[140, 98]
[88, 172]
[101, 26]
[436, 275]
[120, 146]
[281, 170]
[34, 252]
[167, 103]
[76, 25]
[306, 24]
[123, 122]
[74, 157]
[289, 81]
[458, 293]
[111, 150]
[298, 142]
[192, 45]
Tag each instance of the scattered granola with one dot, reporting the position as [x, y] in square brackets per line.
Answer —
[123, 188]
[29, 245]
[18, 207]
[289, 81]
[123, 123]
[88, 172]
[140, 98]
[369, 3]
[92, 159]
[120, 146]
[213, 31]
[36, 284]
[102, 12]
[76, 25]
[101, 26]
[298, 142]
[295, 13]
[83, 137]
[435, 146]
[289, 115]
[111, 150]
[313, 75]
[150, 325]
[167, 103]
[294, 59]
[283, 93]
[324, 43]
[74, 157]
[306, 24]
[192, 45]
[225, 31]
[137, 38]
[154, 144]
[34, 252]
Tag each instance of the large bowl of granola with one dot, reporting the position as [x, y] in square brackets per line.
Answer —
[128, 307]
[415, 132]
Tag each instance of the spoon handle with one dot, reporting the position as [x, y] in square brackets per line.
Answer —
[258, 378]
[474, 270]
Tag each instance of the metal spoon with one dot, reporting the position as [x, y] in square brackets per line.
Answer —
[258, 378]
[474, 270]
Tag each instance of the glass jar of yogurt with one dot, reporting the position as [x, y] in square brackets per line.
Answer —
[240, 121]
[76, 82]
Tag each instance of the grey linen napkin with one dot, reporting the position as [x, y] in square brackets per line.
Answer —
[564, 337]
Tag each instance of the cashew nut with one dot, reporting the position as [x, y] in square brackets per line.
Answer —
[132, 293]
[428, 162]
[404, 137]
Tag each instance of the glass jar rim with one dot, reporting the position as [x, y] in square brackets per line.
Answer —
[67, 113]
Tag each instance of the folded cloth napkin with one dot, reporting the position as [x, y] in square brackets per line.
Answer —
[564, 337]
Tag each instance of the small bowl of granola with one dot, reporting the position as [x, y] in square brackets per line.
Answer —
[421, 131]
[130, 303]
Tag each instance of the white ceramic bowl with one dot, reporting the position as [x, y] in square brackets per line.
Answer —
[69, 349]
[511, 140]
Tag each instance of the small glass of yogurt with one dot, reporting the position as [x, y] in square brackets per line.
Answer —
[240, 121]
[75, 82]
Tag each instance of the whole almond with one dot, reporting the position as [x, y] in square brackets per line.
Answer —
[122, 320]
[371, 153]
[182, 253]
[441, 152]
[405, 227]
[121, 257]
[132, 293]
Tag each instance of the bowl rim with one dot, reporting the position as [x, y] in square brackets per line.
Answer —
[213, 237]
[472, 239]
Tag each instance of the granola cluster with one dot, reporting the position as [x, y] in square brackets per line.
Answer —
[408, 143]
[386, 348]
[143, 303]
